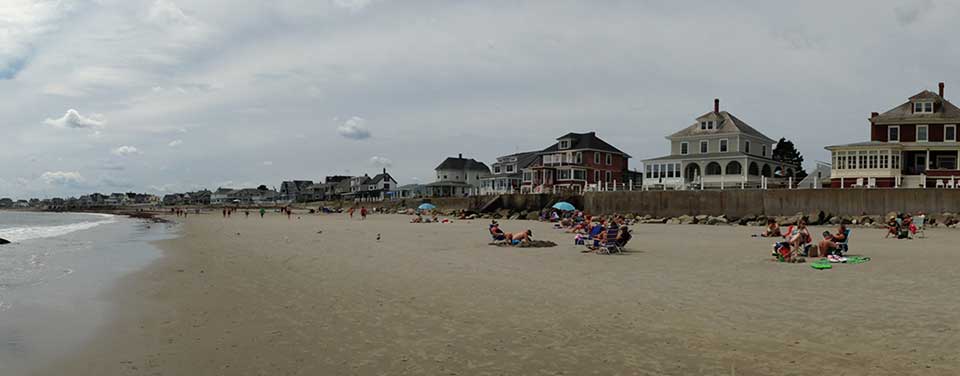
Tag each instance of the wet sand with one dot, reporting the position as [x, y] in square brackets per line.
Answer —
[251, 296]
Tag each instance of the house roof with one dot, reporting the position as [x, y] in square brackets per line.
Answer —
[460, 163]
[726, 124]
[582, 141]
[945, 113]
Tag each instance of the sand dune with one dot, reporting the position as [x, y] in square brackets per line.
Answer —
[251, 296]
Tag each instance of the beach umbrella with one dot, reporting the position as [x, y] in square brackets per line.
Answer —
[426, 206]
[564, 206]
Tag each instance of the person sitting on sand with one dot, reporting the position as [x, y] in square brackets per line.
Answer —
[773, 229]
[827, 246]
[799, 236]
[893, 227]
[623, 236]
[519, 237]
[417, 219]
[496, 232]
[841, 235]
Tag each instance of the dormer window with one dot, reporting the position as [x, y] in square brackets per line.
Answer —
[706, 124]
[564, 144]
[710, 124]
[923, 107]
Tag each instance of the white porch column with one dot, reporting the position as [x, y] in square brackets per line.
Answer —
[631, 184]
[841, 182]
[614, 185]
[790, 182]
[721, 181]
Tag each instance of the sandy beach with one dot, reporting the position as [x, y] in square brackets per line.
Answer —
[322, 296]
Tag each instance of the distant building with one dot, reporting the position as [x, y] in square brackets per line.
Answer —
[6, 203]
[507, 174]
[458, 177]
[411, 191]
[577, 162]
[913, 145]
[717, 150]
[378, 188]
[295, 190]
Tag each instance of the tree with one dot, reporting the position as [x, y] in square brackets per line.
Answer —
[785, 153]
[262, 188]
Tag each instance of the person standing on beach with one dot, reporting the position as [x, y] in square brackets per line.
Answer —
[363, 213]
[224, 212]
[246, 213]
[262, 212]
[350, 211]
[289, 213]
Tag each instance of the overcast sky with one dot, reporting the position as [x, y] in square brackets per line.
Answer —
[173, 95]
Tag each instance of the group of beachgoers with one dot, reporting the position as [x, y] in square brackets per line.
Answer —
[598, 235]
[798, 242]
[423, 217]
[903, 225]
[363, 212]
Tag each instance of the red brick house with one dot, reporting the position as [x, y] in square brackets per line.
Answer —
[577, 162]
[913, 145]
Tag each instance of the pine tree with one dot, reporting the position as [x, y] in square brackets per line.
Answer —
[785, 153]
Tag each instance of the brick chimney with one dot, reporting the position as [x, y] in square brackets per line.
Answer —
[460, 156]
[716, 105]
[874, 114]
[941, 90]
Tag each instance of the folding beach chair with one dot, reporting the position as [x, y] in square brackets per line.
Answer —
[610, 245]
[920, 222]
[845, 244]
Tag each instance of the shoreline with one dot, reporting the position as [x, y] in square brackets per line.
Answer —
[55, 294]
[283, 298]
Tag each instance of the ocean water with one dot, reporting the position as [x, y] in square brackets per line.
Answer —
[55, 278]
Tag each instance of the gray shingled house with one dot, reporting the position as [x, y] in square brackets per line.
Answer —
[718, 150]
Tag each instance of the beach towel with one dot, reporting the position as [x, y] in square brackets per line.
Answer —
[821, 264]
[857, 259]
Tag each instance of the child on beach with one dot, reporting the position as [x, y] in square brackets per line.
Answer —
[363, 213]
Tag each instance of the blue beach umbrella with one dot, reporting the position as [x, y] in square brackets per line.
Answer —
[426, 206]
[564, 206]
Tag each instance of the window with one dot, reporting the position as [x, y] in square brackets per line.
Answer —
[893, 133]
[649, 171]
[609, 176]
[746, 147]
[723, 146]
[947, 162]
[921, 133]
[670, 170]
[872, 159]
[950, 132]
[510, 168]
[703, 147]
[609, 159]
[928, 107]
[710, 124]
[703, 125]
[922, 107]
[527, 176]
[564, 175]
[596, 158]
[763, 151]
[578, 158]
[884, 159]
[656, 171]
[564, 144]
[496, 169]
[596, 176]
[579, 175]
[684, 148]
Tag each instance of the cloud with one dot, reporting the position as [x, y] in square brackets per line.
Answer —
[175, 143]
[125, 151]
[268, 163]
[23, 23]
[73, 119]
[354, 128]
[62, 178]
[910, 13]
[352, 5]
[381, 162]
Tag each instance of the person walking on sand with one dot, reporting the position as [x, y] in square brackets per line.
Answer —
[363, 213]
[350, 211]
[246, 213]
[262, 212]
[289, 213]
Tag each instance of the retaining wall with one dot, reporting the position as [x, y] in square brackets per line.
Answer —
[738, 203]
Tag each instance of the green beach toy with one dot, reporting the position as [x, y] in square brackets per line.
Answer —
[821, 264]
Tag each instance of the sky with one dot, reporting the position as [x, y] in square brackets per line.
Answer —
[165, 96]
